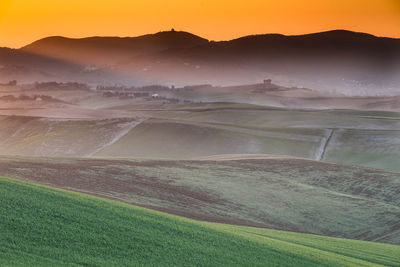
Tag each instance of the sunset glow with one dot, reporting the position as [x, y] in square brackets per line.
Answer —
[23, 21]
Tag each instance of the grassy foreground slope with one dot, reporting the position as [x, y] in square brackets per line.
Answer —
[283, 193]
[43, 226]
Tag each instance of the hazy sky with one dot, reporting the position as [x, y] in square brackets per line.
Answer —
[23, 21]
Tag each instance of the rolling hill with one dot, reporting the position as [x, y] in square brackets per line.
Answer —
[275, 192]
[16, 64]
[189, 131]
[268, 48]
[112, 50]
[348, 62]
[43, 226]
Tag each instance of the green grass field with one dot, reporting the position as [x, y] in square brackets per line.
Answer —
[289, 194]
[41, 226]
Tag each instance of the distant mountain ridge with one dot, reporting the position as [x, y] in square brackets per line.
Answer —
[337, 40]
[333, 60]
[108, 50]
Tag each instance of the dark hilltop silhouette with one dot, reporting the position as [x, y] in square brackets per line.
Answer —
[334, 59]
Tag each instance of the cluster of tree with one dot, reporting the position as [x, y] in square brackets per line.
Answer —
[10, 83]
[125, 95]
[23, 97]
[154, 88]
[61, 86]
[174, 100]
[195, 87]
[114, 88]
[267, 85]
[117, 88]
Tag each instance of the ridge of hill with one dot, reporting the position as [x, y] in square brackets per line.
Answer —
[350, 62]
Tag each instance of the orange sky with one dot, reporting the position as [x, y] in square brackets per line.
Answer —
[23, 21]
